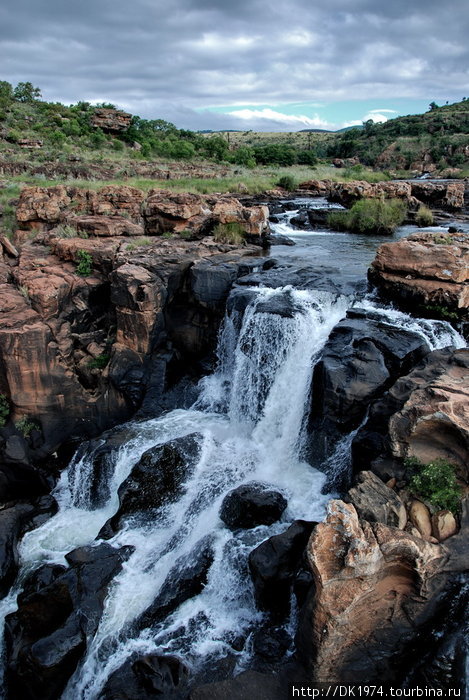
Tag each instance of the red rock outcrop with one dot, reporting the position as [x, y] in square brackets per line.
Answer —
[374, 585]
[161, 211]
[442, 195]
[75, 351]
[112, 120]
[425, 414]
[425, 269]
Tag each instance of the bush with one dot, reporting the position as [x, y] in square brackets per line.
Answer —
[99, 362]
[4, 410]
[370, 216]
[85, 262]
[232, 233]
[436, 483]
[286, 182]
[26, 426]
[424, 216]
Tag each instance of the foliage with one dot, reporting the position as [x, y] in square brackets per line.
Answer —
[85, 262]
[438, 311]
[436, 483]
[286, 182]
[370, 216]
[4, 410]
[232, 233]
[443, 239]
[65, 231]
[26, 426]
[424, 216]
[99, 362]
[26, 92]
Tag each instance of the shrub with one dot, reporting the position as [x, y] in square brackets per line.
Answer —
[26, 426]
[4, 410]
[84, 263]
[424, 216]
[443, 239]
[286, 182]
[436, 483]
[232, 233]
[99, 362]
[370, 216]
[65, 231]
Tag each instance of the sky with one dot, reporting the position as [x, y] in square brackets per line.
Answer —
[242, 64]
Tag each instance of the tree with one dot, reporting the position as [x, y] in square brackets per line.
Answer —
[6, 91]
[432, 106]
[26, 92]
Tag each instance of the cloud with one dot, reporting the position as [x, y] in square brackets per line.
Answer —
[174, 57]
[290, 120]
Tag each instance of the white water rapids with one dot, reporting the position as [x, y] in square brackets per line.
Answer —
[249, 416]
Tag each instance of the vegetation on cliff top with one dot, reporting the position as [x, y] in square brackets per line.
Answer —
[53, 132]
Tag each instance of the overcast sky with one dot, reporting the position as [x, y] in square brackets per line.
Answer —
[248, 64]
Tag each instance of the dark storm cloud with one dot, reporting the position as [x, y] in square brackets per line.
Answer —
[167, 58]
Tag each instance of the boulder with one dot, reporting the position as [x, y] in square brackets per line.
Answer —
[111, 120]
[146, 676]
[374, 585]
[419, 516]
[425, 271]
[185, 580]
[248, 684]
[274, 564]
[155, 480]
[444, 525]
[58, 611]
[377, 503]
[251, 505]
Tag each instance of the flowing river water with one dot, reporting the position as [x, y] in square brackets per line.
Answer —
[248, 422]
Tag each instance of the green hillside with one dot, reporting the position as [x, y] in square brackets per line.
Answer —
[440, 138]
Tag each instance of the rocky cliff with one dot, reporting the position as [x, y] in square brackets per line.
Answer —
[79, 352]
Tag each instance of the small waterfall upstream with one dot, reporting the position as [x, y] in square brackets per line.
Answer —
[248, 421]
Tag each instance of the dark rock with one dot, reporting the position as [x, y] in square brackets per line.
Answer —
[361, 359]
[301, 220]
[271, 643]
[155, 480]
[185, 580]
[249, 684]
[59, 609]
[274, 564]
[21, 481]
[210, 283]
[277, 239]
[145, 677]
[250, 505]
[16, 450]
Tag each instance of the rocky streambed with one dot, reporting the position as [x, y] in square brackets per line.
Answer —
[246, 529]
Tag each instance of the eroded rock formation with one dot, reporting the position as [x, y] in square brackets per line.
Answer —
[425, 270]
[78, 353]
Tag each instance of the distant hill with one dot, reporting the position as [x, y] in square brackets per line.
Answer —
[434, 141]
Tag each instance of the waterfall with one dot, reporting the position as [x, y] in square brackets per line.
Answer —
[247, 422]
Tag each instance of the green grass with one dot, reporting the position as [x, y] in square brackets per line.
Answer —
[424, 216]
[436, 483]
[231, 233]
[370, 216]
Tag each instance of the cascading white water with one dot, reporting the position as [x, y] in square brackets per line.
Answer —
[248, 418]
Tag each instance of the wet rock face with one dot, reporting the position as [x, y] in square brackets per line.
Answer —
[425, 270]
[274, 565]
[155, 480]
[57, 611]
[425, 414]
[360, 360]
[146, 677]
[250, 505]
